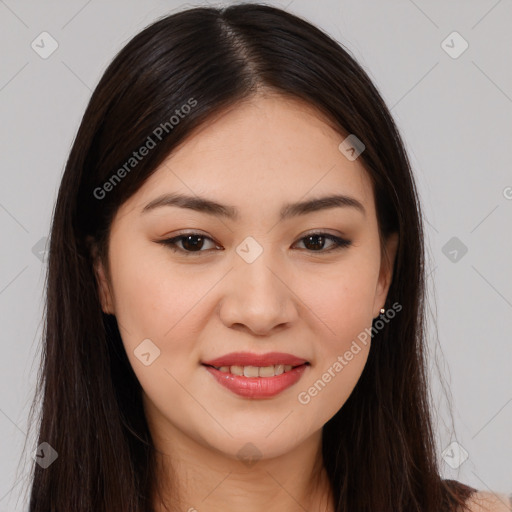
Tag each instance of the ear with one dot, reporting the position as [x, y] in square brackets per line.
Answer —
[386, 272]
[105, 294]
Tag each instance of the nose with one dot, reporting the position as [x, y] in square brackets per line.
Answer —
[259, 298]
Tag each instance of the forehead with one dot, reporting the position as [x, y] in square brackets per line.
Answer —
[259, 154]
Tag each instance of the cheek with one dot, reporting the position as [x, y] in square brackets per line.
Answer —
[330, 385]
[342, 305]
[153, 300]
[341, 351]
[342, 300]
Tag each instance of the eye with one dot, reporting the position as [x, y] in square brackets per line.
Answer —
[317, 239]
[194, 242]
[191, 242]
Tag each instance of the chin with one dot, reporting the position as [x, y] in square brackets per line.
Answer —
[252, 445]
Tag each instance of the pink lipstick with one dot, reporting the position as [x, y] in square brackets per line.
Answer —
[257, 375]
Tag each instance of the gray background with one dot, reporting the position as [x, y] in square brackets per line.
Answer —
[455, 115]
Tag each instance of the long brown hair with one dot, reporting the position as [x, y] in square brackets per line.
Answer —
[379, 449]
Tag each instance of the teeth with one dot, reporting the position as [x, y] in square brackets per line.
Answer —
[267, 371]
[279, 368]
[237, 370]
[251, 371]
[256, 371]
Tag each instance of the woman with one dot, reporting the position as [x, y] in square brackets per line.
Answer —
[236, 285]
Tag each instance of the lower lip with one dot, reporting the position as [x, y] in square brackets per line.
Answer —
[257, 387]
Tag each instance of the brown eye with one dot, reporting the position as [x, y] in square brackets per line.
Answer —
[315, 242]
[191, 243]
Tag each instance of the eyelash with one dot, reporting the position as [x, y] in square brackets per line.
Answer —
[339, 243]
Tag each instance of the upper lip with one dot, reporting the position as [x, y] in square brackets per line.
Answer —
[250, 359]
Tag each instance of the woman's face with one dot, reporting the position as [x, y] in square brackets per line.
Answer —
[251, 281]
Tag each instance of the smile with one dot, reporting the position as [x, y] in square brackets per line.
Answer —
[257, 382]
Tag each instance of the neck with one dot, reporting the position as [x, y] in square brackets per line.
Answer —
[197, 478]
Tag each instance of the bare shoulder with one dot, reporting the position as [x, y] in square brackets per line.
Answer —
[483, 501]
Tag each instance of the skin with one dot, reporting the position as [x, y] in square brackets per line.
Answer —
[293, 298]
[484, 501]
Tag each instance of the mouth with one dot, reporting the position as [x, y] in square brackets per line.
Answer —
[253, 360]
[257, 376]
[257, 382]
[257, 371]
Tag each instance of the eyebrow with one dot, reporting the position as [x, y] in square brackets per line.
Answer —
[289, 210]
